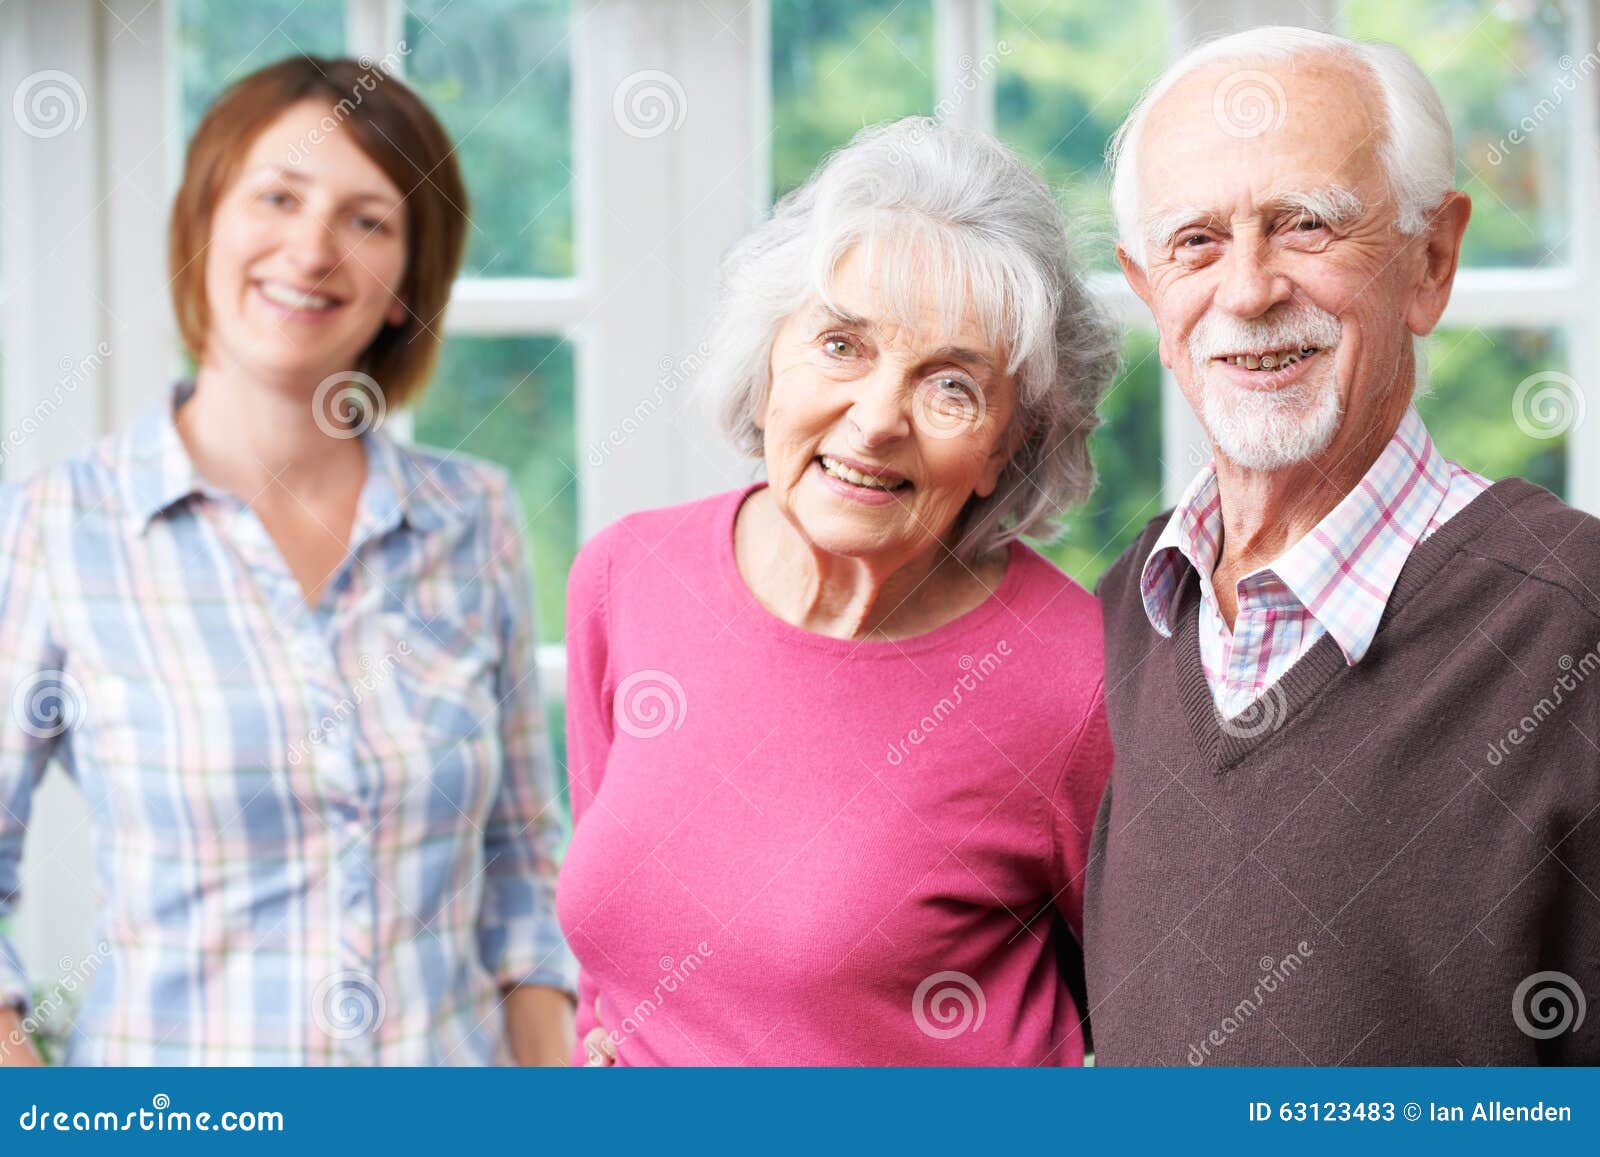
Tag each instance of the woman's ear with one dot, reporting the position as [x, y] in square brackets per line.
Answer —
[399, 311]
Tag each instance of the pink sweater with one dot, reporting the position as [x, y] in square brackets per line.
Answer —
[798, 850]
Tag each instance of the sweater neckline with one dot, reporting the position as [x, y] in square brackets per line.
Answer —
[1225, 742]
[750, 610]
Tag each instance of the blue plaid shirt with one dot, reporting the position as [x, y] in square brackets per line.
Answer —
[324, 834]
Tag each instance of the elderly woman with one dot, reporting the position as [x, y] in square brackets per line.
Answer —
[289, 659]
[837, 738]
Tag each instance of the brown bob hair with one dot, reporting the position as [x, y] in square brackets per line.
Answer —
[396, 130]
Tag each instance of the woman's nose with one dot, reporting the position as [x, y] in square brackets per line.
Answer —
[312, 243]
[879, 413]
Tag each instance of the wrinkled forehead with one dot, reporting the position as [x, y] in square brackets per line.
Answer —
[1234, 135]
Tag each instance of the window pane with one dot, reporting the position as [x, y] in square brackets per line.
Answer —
[1500, 402]
[1065, 76]
[510, 400]
[838, 65]
[1502, 72]
[499, 75]
[1127, 454]
[220, 41]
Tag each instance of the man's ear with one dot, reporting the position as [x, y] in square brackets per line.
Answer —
[1139, 282]
[1441, 240]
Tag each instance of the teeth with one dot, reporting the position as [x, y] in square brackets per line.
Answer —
[840, 470]
[293, 298]
[1276, 360]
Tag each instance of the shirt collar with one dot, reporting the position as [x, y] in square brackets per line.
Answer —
[1378, 523]
[158, 475]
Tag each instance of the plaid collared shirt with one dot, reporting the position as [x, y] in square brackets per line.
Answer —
[324, 834]
[1336, 580]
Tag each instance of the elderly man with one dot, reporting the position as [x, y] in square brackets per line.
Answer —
[1355, 811]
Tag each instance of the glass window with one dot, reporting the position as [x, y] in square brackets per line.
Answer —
[1127, 457]
[510, 400]
[1510, 89]
[1501, 402]
[838, 65]
[220, 41]
[499, 75]
[1065, 76]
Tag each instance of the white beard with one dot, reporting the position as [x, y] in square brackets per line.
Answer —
[1268, 429]
[1262, 430]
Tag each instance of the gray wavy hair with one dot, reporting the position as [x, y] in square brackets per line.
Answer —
[933, 206]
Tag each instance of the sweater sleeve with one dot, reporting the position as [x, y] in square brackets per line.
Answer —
[1076, 801]
[588, 715]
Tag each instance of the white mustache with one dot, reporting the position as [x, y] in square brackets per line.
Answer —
[1217, 334]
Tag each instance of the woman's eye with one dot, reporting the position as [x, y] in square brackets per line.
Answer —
[277, 199]
[370, 224]
[839, 347]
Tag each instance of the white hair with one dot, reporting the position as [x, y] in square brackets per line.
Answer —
[1418, 150]
[954, 214]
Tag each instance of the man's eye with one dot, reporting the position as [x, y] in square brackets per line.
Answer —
[1193, 241]
[1308, 224]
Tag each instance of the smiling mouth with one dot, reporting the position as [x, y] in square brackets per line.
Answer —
[884, 480]
[301, 301]
[1267, 361]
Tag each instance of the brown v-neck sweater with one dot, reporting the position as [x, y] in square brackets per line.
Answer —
[1392, 863]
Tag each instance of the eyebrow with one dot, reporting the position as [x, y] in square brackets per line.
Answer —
[954, 353]
[1334, 204]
